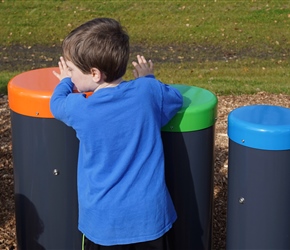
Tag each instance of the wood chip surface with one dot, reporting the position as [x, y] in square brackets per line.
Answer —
[226, 104]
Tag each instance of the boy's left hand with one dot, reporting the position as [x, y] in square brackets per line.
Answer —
[142, 68]
[64, 72]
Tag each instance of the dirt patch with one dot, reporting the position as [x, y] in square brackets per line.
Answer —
[22, 58]
[30, 57]
[226, 104]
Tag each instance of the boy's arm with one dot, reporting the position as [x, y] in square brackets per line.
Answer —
[171, 104]
[172, 100]
[58, 98]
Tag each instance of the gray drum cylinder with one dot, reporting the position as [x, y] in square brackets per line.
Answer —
[44, 158]
[189, 174]
[258, 181]
[188, 141]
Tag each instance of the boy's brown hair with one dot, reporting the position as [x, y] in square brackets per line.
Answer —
[101, 43]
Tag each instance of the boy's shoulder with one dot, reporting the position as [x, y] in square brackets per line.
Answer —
[149, 79]
[146, 82]
[146, 78]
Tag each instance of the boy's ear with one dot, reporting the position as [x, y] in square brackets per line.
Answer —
[96, 74]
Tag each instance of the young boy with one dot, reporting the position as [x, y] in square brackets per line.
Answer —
[123, 199]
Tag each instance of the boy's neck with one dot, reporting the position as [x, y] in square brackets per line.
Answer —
[108, 85]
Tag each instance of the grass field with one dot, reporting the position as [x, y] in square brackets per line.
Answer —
[228, 47]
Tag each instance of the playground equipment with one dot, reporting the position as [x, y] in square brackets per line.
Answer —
[45, 162]
[258, 181]
[188, 141]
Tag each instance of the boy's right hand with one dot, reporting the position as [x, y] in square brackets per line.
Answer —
[142, 68]
[64, 72]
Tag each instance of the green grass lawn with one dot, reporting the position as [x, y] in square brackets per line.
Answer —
[253, 35]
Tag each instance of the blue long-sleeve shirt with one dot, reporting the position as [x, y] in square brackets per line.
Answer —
[122, 193]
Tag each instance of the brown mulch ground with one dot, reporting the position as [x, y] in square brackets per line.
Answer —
[226, 104]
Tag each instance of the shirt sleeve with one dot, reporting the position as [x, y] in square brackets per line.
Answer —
[59, 98]
[172, 102]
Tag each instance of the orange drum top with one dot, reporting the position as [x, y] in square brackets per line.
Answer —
[29, 92]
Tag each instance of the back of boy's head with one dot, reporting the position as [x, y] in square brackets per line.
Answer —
[100, 43]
